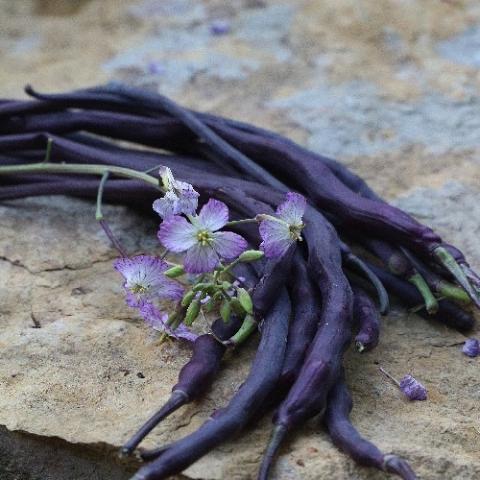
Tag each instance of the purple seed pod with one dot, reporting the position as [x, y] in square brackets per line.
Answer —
[471, 347]
[412, 388]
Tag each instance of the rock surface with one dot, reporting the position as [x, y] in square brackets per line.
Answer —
[390, 88]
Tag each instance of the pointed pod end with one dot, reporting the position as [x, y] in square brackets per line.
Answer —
[446, 259]
[359, 346]
[125, 451]
[278, 434]
[399, 466]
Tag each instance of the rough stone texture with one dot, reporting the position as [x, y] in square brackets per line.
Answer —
[389, 87]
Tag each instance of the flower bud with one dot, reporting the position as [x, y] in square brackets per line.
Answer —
[207, 287]
[225, 311]
[250, 256]
[245, 300]
[187, 298]
[175, 271]
[192, 312]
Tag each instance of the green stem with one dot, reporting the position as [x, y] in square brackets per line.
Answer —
[431, 303]
[240, 222]
[453, 292]
[248, 327]
[230, 266]
[448, 261]
[80, 169]
[101, 187]
[48, 152]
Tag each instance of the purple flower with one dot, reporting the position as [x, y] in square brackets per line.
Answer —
[158, 321]
[180, 197]
[285, 228]
[412, 388]
[205, 246]
[471, 347]
[145, 281]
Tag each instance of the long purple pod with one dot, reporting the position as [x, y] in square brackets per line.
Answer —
[113, 95]
[194, 378]
[321, 184]
[307, 313]
[330, 188]
[347, 438]
[464, 274]
[264, 373]
[448, 313]
[117, 191]
[323, 362]
[367, 318]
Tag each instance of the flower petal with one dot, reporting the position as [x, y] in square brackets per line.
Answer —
[201, 259]
[412, 388]
[158, 320]
[177, 234]
[228, 244]
[187, 200]
[154, 317]
[166, 205]
[292, 209]
[276, 238]
[213, 215]
[184, 332]
[471, 347]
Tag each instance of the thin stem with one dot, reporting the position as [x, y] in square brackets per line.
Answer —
[48, 152]
[101, 187]
[80, 169]
[391, 377]
[431, 303]
[231, 265]
[112, 238]
[240, 222]
[102, 221]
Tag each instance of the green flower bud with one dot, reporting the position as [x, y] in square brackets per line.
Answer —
[226, 285]
[192, 312]
[187, 298]
[175, 271]
[207, 287]
[250, 256]
[225, 311]
[245, 300]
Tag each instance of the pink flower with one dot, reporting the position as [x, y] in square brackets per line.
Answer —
[280, 231]
[179, 198]
[145, 280]
[158, 321]
[204, 245]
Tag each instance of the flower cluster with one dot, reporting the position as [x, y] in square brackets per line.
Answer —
[209, 255]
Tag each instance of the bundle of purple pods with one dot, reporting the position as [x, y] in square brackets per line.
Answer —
[308, 302]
